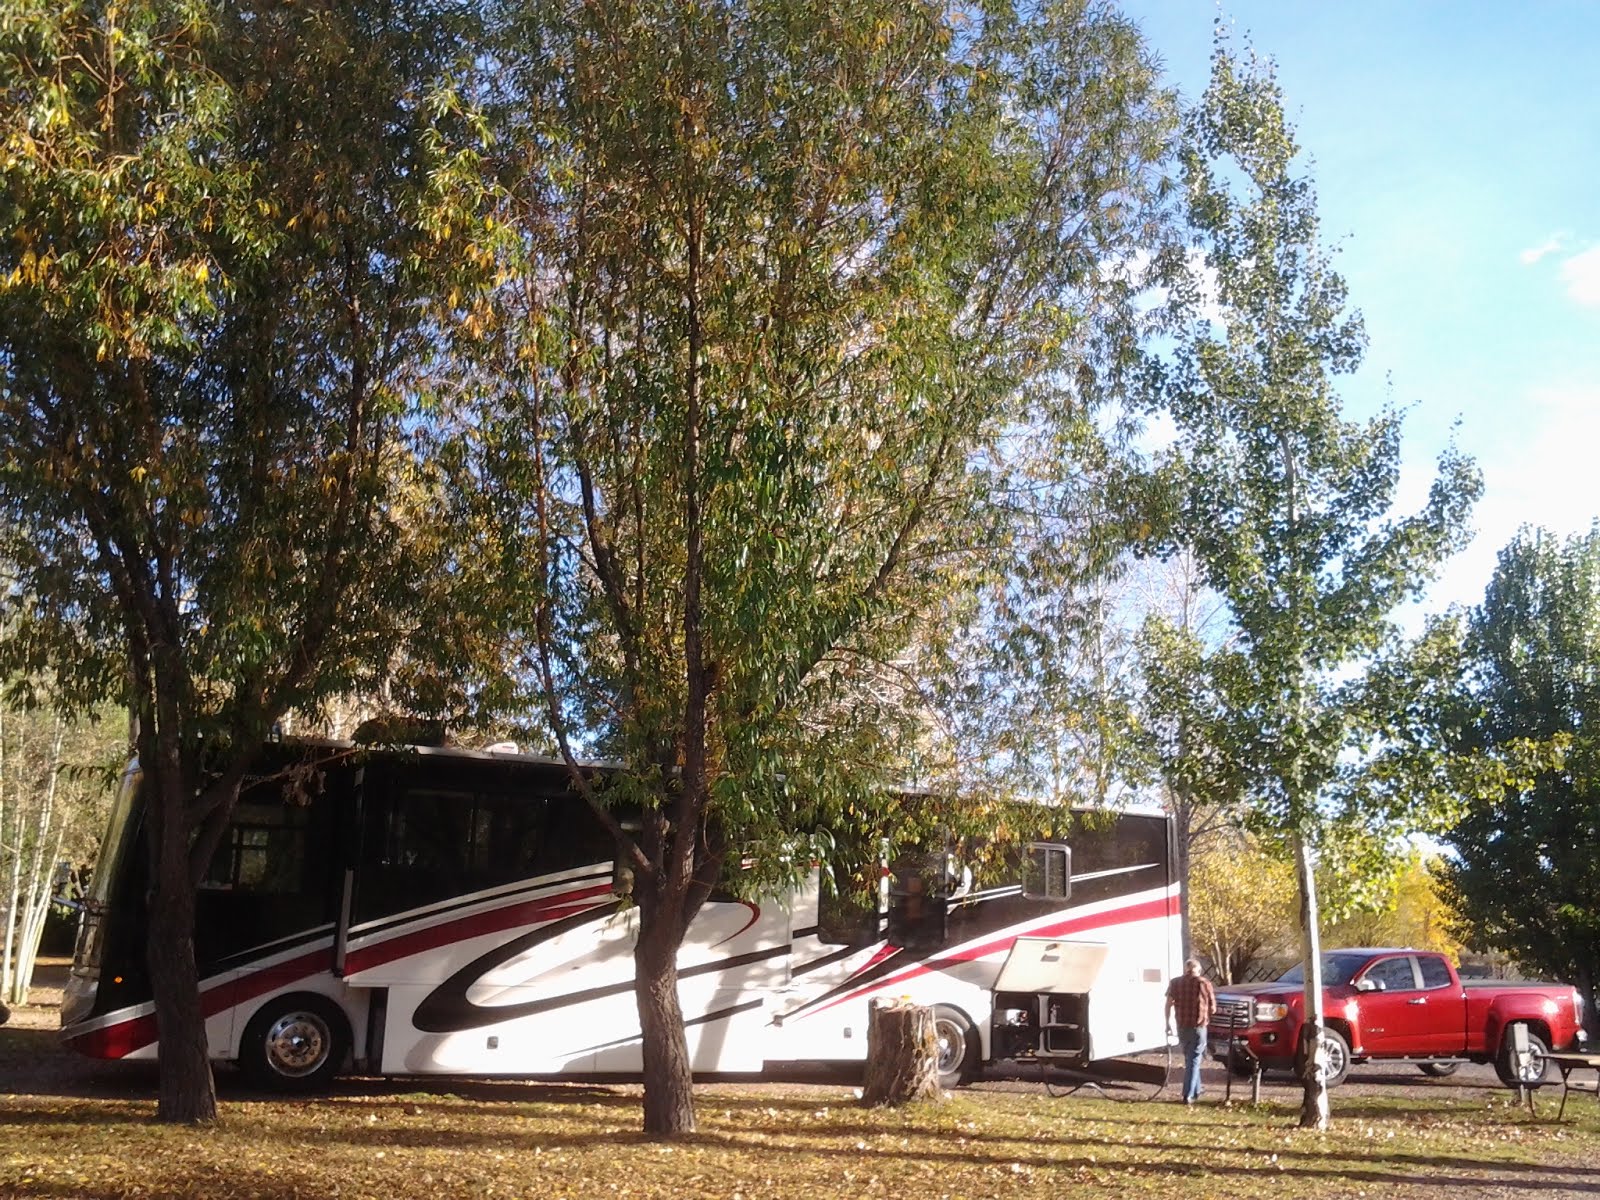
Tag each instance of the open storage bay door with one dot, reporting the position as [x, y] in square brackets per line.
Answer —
[1042, 996]
[1051, 965]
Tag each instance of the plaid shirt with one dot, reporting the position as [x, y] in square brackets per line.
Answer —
[1193, 1000]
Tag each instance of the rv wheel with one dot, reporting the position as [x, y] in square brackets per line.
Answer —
[958, 1046]
[295, 1043]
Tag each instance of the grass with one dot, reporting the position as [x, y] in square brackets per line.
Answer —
[514, 1139]
[87, 1131]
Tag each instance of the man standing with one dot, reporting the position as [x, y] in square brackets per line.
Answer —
[1191, 1000]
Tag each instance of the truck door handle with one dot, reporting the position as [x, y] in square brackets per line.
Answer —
[1418, 1000]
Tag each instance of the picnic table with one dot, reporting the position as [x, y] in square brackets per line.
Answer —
[1567, 1064]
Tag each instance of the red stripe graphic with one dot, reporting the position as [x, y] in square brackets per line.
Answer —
[124, 1037]
[755, 915]
[883, 953]
[1148, 910]
[546, 908]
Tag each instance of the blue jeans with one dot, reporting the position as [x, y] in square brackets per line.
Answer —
[1193, 1044]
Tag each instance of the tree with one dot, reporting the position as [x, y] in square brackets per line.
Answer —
[1241, 904]
[1412, 911]
[226, 246]
[792, 275]
[1524, 874]
[1285, 503]
[52, 807]
[1183, 727]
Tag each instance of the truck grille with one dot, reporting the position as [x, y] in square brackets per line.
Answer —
[1233, 1012]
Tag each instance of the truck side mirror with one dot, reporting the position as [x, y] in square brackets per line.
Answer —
[1369, 985]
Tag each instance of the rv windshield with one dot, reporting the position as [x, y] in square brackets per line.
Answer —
[119, 830]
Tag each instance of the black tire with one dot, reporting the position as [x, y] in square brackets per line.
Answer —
[295, 1043]
[1439, 1070]
[1538, 1061]
[958, 1046]
[1241, 1066]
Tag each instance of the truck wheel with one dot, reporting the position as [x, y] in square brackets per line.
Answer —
[1439, 1069]
[1336, 1050]
[1240, 1066]
[295, 1043]
[958, 1046]
[1538, 1061]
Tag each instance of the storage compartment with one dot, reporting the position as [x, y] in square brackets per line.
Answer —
[1042, 997]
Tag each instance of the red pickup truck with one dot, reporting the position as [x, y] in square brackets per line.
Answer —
[1397, 1004]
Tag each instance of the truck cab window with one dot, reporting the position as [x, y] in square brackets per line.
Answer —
[1392, 974]
[1434, 972]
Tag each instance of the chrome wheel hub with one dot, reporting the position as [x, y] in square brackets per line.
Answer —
[1533, 1072]
[297, 1044]
[952, 1046]
[1333, 1056]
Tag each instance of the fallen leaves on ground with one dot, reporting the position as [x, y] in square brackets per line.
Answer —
[524, 1140]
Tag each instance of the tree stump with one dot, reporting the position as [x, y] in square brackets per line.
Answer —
[902, 1054]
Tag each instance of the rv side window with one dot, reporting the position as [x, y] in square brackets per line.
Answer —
[263, 851]
[1047, 871]
[432, 843]
[917, 901]
[847, 910]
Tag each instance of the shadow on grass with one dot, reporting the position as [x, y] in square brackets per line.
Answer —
[34, 1063]
[474, 1091]
[114, 1113]
[287, 1183]
[816, 1149]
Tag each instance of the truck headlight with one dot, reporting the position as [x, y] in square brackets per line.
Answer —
[1266, 1011]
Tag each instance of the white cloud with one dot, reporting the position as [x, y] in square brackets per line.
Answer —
[1581, 274]
[1541, 474]
[1133, 268]
[1550, 245]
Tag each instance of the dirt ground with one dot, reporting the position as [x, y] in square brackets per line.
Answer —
[44, 999]
[39, 1066]
[39, 1078]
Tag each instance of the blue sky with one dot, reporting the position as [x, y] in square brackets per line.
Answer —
[1456, 153]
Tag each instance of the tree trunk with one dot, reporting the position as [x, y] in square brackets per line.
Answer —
[1310, 1058]
[1183, 845]
[33, 931]
[41, 871]
[668, 1082]
[902, 1054]
[1181, 840]
[187, 1093]
[13, 901]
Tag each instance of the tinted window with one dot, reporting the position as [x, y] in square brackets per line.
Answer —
[1120, 857]
[1435, 974]
[431, 834]
[263, 850]
[1393, 973]
[276, 870]
[847, 912]
[1337, 969]
[916, 901]
[573, 837]
[433, 840]
[1047, 872]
